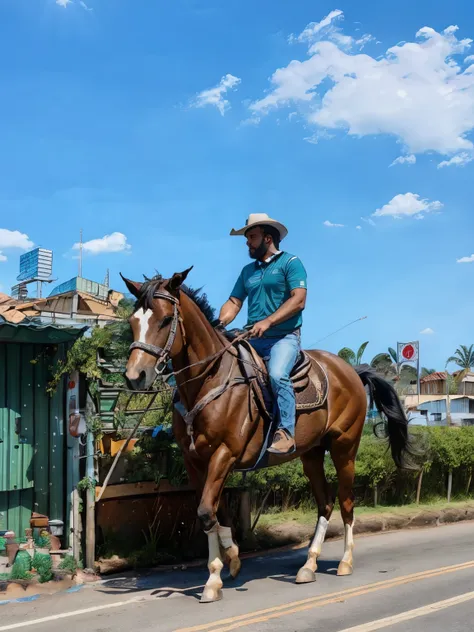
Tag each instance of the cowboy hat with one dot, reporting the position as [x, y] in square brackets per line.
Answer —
[260, 219]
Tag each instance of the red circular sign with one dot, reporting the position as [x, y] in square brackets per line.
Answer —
[408, 352]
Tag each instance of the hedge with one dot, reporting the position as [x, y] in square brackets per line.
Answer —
[442, 450]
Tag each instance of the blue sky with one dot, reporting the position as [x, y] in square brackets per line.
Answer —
[158, 126]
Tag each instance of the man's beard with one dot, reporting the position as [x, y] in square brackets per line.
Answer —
[259, 252]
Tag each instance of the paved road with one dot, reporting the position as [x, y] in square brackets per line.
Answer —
[403, 582]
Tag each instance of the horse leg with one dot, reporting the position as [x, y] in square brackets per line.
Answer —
[229, 546]
[219, 467]
[313, 465]
[344, 462]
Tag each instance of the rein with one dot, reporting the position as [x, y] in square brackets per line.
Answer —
[162, 353]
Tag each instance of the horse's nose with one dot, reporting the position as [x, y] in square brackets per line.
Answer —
[136, 381]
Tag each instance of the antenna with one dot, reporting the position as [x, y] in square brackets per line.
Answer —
[107, 278]
[80, 255]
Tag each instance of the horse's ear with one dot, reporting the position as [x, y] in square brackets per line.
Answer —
[178, 279]
[133, 286]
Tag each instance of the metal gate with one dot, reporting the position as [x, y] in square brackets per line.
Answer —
[32, 441]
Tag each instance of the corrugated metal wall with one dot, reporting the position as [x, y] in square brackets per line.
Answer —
[32, 453]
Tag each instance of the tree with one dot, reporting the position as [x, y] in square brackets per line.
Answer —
[351, 357]
[463, 357]
[384, 364]
[425, 372]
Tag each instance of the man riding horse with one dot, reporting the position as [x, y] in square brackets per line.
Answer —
[275, 286]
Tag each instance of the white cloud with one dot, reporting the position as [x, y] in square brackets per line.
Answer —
[216, 96]
[416, 92]
[466, 259]
[359, 227]
[314, 28]
[458, 161]
[116, 242]
[368, 220]
[410, 159]
[428, 331]
[328, 29]
[64, 3]
[84, 6]
[407, 205]
[14, 239]
[2, 257]
[331, 225]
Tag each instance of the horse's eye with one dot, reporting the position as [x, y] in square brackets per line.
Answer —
[166, 321]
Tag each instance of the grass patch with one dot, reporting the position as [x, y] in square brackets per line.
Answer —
[307, 516]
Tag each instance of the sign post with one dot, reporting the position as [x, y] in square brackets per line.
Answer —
[409, 353]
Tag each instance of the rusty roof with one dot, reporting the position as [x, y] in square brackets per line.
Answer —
[434, 377]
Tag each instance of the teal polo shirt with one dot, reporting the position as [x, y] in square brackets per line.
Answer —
[268, 285]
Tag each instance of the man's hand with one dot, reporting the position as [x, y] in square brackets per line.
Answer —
[260, 328]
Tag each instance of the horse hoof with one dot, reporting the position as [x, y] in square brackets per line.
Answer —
[305, 576]
[234, 567]
[344, 569]
[210, 595]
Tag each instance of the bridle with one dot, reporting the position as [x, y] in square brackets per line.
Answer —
[162, 353]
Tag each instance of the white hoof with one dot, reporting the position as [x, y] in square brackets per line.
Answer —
[344, 569]
[305, 576]
[210, 595]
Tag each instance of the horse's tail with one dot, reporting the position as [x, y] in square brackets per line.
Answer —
[388, 403]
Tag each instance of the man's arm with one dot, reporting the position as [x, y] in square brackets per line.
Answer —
[229, 310]
[295, 304]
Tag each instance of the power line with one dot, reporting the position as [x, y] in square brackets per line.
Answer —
[338, 330]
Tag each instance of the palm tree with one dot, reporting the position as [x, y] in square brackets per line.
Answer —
[425, 372]
[464, 358]
[351, 357]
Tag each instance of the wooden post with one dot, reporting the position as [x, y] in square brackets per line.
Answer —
[90, 504]
[418, 489]
[450, 485]
[469, 480]
[77, 526]
[376, 495]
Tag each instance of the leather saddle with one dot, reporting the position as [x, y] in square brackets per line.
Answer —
[308, 378]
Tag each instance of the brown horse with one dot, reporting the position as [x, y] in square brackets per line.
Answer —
[219, 426]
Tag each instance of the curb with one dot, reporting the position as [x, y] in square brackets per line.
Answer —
[35, 597]
[376, 523]
[370, 525]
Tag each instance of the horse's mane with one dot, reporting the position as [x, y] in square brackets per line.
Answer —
[148, 289]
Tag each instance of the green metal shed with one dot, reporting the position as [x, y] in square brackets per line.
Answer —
[33, 432]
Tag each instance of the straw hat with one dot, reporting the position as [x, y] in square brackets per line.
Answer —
[260, 219]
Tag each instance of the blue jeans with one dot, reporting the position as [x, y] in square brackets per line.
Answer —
[280, 355]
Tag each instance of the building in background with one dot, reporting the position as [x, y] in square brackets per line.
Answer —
[76, 302]
[433, 400]
[36, 266]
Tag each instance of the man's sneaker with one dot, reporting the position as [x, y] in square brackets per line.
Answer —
[282, 444]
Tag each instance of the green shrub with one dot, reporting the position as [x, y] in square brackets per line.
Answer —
[21, 567]
[68, 564]
[43, 564]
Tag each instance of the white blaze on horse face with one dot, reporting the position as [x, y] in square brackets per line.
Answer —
[143, 317]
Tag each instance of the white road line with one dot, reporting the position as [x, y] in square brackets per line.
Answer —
[74, 613]
[410, 614]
